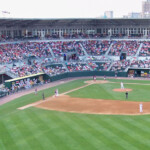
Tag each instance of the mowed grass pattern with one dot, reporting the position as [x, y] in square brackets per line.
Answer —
[37, 129]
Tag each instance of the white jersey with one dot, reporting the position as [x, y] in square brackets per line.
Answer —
[141, 107]
[122, 86]
[56, 92]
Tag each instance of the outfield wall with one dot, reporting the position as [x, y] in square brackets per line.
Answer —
[87, 73]
[45, 77]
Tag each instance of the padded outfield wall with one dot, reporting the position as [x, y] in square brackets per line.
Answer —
[87, 73]
[8, 83]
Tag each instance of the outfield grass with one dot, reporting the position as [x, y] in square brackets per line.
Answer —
[130, 81]
[105, 91]
[37, 129]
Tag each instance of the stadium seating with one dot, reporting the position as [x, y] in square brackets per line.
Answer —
[77, 66]
[60, 47]
[53, 70]
[130, 47]
[96, 48]
[99, 66]
[19, 51]
[140, 63]
[145, 50]
[37, 56]
[120, 65]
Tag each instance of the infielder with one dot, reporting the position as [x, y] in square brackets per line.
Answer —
[56, 93]
[35, 91]
[94, 78]
[43, 96]
[122, 86]
[141, 108]
[104, 77]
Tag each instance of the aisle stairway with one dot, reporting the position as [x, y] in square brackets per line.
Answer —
[106, 54]
[138, 51]
[51, 51]
[110, 66]
[84, 50]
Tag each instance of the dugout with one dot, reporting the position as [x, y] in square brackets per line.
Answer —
[2, 94]
[39, 77]
[4, 77]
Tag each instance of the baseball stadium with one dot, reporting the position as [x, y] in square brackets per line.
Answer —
[74, 84]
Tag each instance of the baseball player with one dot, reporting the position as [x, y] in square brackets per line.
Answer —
[126, 94]
[56, 93]
[141, 108]
[104, 77]
[43, 96]
[122, 86]
[94, 78]
[35, 91]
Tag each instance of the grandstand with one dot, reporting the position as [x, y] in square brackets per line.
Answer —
[60, 48]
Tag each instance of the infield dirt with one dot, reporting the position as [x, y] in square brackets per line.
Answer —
[122, 90]
[66, 103]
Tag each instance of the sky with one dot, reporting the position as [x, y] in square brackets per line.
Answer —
[67, 8]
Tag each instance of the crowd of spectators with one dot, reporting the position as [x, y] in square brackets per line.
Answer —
[53, 70]
[26, 70]
[96, 48]
[145, 50]
[77, 66]
[120, 65]
[99, 66]
[10, 53]
[140, 63]
[130, 47]
[14, 52]
[38, 67]
[103, 66]
[61, 47]
[19, 51]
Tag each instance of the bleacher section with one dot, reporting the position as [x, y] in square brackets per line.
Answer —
[77, 66]
[129, 47]
[54, 69]
[96, 48]
[26, 58]
[145, 50]
[61, 47]
[120, 66]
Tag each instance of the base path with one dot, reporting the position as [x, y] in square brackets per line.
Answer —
[122, 90]
[66, 103]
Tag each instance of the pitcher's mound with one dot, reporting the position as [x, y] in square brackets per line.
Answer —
[122, 90]
[96, 82]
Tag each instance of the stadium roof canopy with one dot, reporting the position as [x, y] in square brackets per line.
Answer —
[7, 22]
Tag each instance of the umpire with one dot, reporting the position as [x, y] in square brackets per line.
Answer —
[43, 96]
[126, 94]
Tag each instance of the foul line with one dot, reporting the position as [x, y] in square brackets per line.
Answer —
[42, 101]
